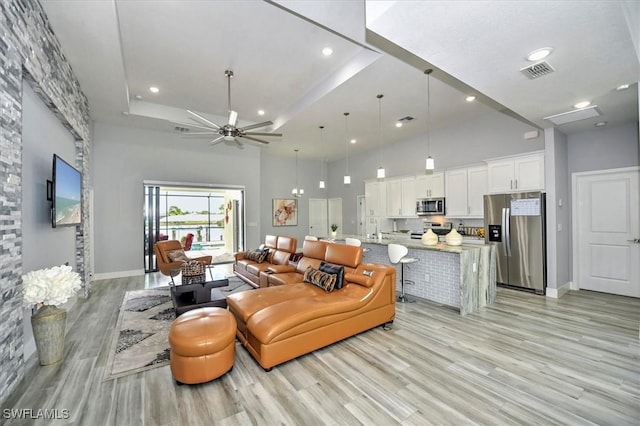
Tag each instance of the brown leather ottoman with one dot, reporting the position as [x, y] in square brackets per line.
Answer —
[202, 345]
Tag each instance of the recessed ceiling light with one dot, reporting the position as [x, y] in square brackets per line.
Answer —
[622, 87]
[125, 112]
[260, 112]
[582, 104]
[398, 124]
[600, 124]
[353, 141]
[470, 98]
[138, 97]
[538, 54]
[327, 51]
[154, 89]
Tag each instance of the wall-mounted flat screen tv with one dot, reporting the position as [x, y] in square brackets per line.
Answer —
[66, 194]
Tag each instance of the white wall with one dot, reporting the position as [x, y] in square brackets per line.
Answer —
[604, 148]
[489, 136]
[124, 157]
[278, 181]
[558, 208]
[42, 245]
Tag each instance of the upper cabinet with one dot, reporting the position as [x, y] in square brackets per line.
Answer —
[375, 195]
[401, 199]
[429, 186]
[516, 174]
[465, 189]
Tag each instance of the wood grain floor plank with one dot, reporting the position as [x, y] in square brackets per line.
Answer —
[526, 360]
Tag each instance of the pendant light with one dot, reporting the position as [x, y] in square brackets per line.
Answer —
[381, 172]
[297, 192]
[347, 177]
[322, 184]
[430, 164]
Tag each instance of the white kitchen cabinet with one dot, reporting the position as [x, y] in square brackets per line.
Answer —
[516, 174]
[375, 196]
[464, 191]
[429, 186]
[401, 200]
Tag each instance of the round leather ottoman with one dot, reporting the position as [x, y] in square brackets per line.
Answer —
[202, 345]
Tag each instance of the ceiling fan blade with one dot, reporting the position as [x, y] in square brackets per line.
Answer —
[200, 134]
[202, 119]
[255, 126]
[216, 141]
[262, 134]
[253, 139]
[233, 118]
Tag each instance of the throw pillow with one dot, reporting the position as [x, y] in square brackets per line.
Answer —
[336, 270]
[177, 256]
[321, 279]
[257, 255]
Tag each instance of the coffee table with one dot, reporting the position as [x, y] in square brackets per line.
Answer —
[192, 296]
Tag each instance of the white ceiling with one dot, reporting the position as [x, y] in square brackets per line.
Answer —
[120, 48]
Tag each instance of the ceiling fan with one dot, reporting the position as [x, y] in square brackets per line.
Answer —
[229, 131]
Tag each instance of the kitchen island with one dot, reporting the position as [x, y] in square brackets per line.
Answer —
[463, 277]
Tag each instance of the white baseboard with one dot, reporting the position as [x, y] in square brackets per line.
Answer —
[557, 293]
[119, 274]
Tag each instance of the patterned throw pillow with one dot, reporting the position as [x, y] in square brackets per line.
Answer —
[321, 279]
[177, 256]
[257, 255]
[336, 270]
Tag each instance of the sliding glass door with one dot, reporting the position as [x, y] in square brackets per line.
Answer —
[207, 219]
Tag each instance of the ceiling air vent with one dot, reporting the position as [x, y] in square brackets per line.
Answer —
[181, 129]
[537, 70]
[407, 118]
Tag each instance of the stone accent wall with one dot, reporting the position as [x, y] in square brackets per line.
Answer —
[29, 50]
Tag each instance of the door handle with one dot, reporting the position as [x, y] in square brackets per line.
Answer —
[634, 241]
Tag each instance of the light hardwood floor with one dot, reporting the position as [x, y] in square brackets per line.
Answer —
[525, 360]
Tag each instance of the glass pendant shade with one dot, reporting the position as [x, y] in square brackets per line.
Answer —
[347, 180]
[321, 186]
[430, 165]
[381, 173]
[347, 177]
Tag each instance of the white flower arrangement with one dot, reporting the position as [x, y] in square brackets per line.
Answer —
[52, 286]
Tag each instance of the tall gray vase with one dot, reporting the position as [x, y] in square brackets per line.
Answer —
[48, 325]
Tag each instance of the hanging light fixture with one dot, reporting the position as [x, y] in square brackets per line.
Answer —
[321, 185]
[347, 177]
[381, 172]
[297, 192]
[430, 164]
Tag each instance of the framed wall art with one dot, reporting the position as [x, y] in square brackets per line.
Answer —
[285, 212]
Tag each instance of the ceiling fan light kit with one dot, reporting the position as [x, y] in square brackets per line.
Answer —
[229, 132]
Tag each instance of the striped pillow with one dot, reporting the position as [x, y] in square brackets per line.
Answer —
[257, 255]
[321, 279]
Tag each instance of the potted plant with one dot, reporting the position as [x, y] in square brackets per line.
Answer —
[334, 228]
[46, 288]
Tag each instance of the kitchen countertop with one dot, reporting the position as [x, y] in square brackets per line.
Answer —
[397, 238]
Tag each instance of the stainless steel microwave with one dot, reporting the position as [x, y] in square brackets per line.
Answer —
[430, 207]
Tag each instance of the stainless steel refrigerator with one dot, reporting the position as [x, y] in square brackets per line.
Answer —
[516, 224]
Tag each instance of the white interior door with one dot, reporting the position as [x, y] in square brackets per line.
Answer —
[606, 221]
[318, 221]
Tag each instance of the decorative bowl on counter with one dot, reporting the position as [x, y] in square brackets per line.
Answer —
[453, 238]
[429, 238]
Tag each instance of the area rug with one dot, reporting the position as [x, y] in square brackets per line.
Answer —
[140, 339]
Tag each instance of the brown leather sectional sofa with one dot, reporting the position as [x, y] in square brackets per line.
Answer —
[280, 250]
[290, 317]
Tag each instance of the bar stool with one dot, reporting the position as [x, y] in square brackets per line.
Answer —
[398, 254]
[355, 242]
